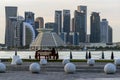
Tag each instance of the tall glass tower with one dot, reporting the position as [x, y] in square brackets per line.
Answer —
[10, 11]
[95, 27]
[66, 23]
[58, 21]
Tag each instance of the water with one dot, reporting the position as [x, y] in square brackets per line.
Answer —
[62, 54]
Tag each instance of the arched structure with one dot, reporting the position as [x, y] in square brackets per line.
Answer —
[28, 34]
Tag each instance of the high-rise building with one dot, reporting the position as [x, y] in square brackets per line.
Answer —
[29, 18]
[51, 25]
[58, 21]
[10, 11]
[83, 9]
[73, 25]
[66, 23]
[95, 27]
[40, 20]
[110, 34]
[80, 25]
[74, 38]
[104, 31]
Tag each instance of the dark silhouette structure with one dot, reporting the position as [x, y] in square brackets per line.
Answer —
[86, 56]
[103, 55]
[70, 55]
[112, 55]
[89, 55]
[48, 54]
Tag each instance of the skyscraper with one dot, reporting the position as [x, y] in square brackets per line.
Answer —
[29, 18]
[10, 11]
[51, 25]
[66, 23]
[58, 21]
[80, 25]
[104, 31]
[110, 34]
[40, 20]
[83, 9]
[95, 27]
[73, 25]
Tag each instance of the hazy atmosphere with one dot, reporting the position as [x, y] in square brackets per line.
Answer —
[109, 9]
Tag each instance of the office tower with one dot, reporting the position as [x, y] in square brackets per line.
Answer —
[10, 11]
[104, 31]
[29, 18]
[66, 23]
[110, 34]
[28, 34]
[51, 25]
[95, 27]
[80, 25]
[73, 25]
[12, 32]
[40, 20]
[83, 9]
[74, 38]
[36, 27]
[63, 36]
[58, 21]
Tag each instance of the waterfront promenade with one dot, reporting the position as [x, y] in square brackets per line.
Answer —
[55, 71]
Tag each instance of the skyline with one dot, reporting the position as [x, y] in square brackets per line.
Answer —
[108, 9]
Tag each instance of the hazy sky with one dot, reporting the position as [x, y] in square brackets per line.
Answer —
[109, 9]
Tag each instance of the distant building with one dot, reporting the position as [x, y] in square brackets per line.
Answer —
[51, 25]
[46, 39]
[28, 34]
[58, 21]
[29, 18]
[104, 31]
[74, 38]
[63, 36]
[80, 25]
[73, 25]
[10, 11]
[40, 21]
[95, 27]
[83, 9]
[110, 34]
[66, 23]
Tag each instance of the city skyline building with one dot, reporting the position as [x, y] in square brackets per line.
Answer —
[83, 9]
[110, 34]
[80, 25]
[29, 17]
[73, 25]
[95, 27]
[51, 25]
[40, 20]
[58, 21]
[66, 23]
[10, 11]
[104, 31]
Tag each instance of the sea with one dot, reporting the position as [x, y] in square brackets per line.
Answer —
[62, 54]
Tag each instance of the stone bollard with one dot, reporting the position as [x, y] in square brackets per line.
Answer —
[69, 68]
[34, 68]
[2, 67]
[109, 68]
[65, 61]
[91, 62]
[43, 61]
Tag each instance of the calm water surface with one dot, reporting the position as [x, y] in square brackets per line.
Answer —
[62, 54]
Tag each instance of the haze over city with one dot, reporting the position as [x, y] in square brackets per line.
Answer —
[108, 9]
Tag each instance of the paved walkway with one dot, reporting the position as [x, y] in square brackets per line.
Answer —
[55, 71]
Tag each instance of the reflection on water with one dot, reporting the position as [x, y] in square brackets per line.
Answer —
[62, 54]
